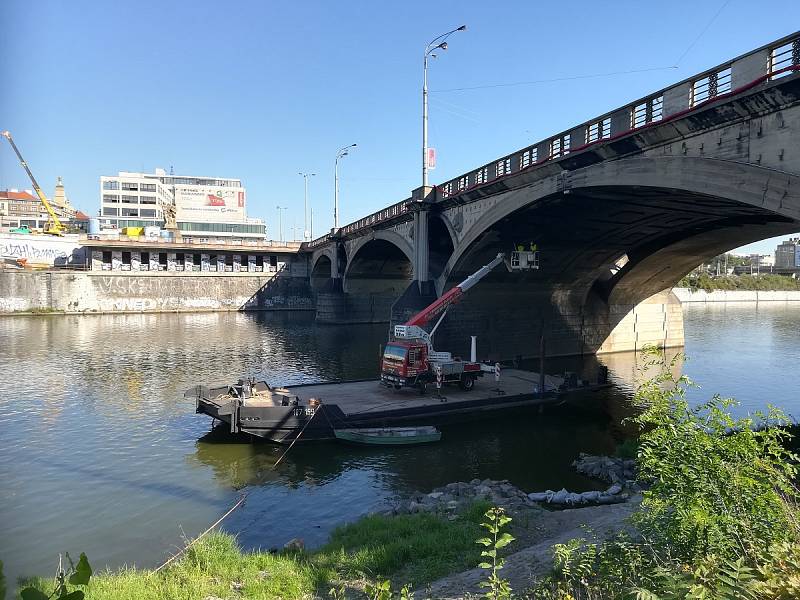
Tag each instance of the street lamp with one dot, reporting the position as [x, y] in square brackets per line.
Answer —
[344, 151]
[280, 221]
[306, 232]
[435, 44]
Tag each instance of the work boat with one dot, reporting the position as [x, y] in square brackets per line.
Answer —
[275, 414]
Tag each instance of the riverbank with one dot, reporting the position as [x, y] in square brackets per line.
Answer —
[689, 295]
[432, 548]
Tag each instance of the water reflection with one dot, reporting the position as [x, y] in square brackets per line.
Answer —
[103, 454]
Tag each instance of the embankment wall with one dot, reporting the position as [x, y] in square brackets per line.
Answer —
[687, 295]
[96, 292]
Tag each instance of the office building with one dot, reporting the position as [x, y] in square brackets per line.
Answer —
[205, 207]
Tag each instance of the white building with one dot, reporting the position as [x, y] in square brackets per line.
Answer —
[205, 207]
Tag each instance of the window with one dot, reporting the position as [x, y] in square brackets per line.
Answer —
[130, 199]
[130, 186]
[147, 199]
[110, 211]
[481, 176]
[147, 212]
[147, 187]
[107, 257]
[111, 185]
[113, 198]
[463, 182]
[130, 212]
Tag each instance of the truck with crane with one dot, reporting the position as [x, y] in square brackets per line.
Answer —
[409, 358]
[54, 226]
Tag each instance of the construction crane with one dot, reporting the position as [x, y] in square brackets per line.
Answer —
[53, 226]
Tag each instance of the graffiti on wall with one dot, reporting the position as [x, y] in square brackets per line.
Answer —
[38, 250]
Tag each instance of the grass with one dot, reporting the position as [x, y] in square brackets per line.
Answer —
[416, 548]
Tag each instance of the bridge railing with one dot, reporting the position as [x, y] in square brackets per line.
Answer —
[778, 59]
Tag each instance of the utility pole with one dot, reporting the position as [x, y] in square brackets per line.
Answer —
[280, 221]
[437, 43]
[306, 231]
[343, 151]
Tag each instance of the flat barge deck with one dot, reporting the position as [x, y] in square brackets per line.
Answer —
[312, 411]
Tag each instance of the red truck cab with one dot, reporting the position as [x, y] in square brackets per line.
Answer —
[407, 364]
[403, 363]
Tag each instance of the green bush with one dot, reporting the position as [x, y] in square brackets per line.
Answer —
[718, 520]
[765, 282]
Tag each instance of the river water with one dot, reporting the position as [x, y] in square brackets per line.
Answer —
[101, 453]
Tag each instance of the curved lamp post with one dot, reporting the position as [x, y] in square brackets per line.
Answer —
[437, 43]
[344, 151]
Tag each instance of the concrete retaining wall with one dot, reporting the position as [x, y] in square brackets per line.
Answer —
[687, 295]
[79, 292]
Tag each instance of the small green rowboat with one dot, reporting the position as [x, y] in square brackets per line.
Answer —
[389, 436]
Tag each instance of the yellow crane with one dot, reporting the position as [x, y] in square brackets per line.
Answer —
[53, 226]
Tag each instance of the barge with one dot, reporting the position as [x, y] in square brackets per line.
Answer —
[311, 412]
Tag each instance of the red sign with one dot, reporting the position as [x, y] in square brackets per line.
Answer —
[431, 158]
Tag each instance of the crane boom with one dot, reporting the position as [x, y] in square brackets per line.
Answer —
[453, 295]
[54, 225]
[413, 328]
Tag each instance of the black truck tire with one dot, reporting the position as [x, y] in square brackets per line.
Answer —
[467, 382]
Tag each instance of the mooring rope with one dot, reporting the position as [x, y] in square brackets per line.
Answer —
[241, 500]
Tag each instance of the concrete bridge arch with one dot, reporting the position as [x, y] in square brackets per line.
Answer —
[380, 263]
[661, 203]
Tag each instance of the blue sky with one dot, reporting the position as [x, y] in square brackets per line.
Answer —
[262, 90]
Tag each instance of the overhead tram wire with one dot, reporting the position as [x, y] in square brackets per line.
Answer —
[553, 80]
[702, 33]
[596, 75]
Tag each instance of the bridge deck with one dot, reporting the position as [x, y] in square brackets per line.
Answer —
[365, 397]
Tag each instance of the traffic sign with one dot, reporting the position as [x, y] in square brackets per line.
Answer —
[497, 372]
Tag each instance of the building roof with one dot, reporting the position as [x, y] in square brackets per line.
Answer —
[81, 216]
[15, 195]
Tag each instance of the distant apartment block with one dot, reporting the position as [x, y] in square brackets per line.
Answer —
[204, 206]
[787, 255]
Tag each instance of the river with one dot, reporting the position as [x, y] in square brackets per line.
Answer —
[101, 453]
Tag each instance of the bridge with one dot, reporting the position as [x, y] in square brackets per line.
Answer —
[621, 207]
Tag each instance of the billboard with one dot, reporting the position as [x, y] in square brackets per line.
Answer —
[209, 204]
